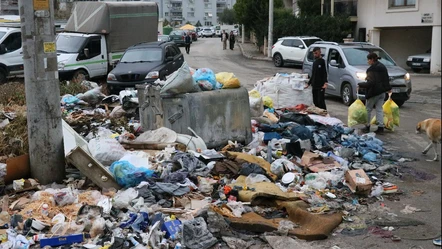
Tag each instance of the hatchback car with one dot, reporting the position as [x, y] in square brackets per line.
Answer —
[207, 32]
[419, 61]
[291, 49]
[347, 65]
[145, 63]
[178, 37]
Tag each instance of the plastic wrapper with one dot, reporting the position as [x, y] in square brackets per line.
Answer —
[267, 101]
[204, 75]
[123, 198]
[237, 208]
[97, 227]
[256, 178]
[280, 166]
[106, 150]
[256, 104]
[138, 159]
[128, 175]
[228, 80]
[357, 113]
[377, 190]
[65, 197]
[181, 81]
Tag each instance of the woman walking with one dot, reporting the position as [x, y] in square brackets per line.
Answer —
[231, 40]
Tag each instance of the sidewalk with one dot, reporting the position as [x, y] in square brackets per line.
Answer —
[249, 50]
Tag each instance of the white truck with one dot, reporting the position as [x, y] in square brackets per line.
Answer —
[97, 34]
[11, 53]
[219, 29]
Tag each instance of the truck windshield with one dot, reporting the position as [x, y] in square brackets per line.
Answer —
[358, 56]
[70, 43]
[2, 34]
[142, 55]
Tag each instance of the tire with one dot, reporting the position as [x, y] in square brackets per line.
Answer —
[347, 94]
[80, 75]
[278, 61]
[3, 76]
[417, 70]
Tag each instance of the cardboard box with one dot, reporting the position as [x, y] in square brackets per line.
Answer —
[358, 181]
[317, 163]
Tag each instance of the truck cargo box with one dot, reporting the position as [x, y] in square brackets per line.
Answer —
[124, 23]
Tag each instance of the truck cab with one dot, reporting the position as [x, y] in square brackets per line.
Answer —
[82, 56]
[11, 52]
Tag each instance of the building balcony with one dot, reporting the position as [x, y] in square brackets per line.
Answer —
[176, 18]
[176, 1]
[176, 9]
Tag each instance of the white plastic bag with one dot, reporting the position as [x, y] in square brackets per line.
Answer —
[256, 178]
[280, 166]
[137, 158]
[181, 81]
[65, 197]
[123, 198]
[92, 97]
[106, 150]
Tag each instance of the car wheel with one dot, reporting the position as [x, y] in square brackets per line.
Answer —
[416, 70]
[80, 75]
[3, 76]
[347, 94]
[278, 61]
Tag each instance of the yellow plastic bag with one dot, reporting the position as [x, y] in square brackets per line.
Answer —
[267, 101]
[254, 94]
[391, 114]
[228, 80]
[357, 113]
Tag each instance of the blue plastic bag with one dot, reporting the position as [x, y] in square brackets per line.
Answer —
[128, 175]
[370, 157]
[206, 75]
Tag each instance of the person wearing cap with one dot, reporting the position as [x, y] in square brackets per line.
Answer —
[376, 85]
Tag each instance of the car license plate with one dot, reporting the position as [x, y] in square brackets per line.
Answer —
[415, 64]
[396, 90]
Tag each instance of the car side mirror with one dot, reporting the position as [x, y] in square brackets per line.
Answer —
[170, 58]
[333, 63]
[86, 52]
[301, 46]
[2, 49]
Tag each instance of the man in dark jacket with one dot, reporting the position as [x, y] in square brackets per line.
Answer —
[376, 85]
[187, 41]
[318, 79]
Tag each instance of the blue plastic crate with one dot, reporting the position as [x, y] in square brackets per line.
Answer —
[62, 240]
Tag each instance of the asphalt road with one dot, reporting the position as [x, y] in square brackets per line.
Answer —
[424, 103]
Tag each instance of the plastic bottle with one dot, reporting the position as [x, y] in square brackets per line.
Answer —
[45, 209]
[137, 244]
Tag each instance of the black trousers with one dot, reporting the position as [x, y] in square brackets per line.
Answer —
[319, 98]
[187, 47]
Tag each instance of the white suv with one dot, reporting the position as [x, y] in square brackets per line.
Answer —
[291, 49]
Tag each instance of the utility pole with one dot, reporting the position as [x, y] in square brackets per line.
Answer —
[45, 133]
[270, 35]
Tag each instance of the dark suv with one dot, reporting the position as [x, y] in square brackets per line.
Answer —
[145, 63]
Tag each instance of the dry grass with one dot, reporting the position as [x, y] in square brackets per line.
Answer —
[71, 88]
[14, 137]
[12, 93]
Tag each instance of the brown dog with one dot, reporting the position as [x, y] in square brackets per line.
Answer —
[432, 127]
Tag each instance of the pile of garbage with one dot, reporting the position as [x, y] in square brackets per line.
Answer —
[304, 175]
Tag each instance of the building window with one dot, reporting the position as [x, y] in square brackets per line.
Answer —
[166, 13]
[402, 3]
[207, 23]
[190, 14]
[207, 5]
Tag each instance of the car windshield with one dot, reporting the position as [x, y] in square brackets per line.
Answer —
[309, 42]
[2, 34]
[69, 43]
[358, 56]
[177, 33]
[142, 55]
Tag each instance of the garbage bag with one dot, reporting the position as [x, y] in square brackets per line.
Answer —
[93, 96]
[106, 150]
[256, 104]
[268, 102]
[123, 198]
[391, 115]
[128, 175]
[180, 81]
[357, 113]
[204, 75]
[229, 80]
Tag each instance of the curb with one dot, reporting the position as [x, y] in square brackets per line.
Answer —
[253, 57]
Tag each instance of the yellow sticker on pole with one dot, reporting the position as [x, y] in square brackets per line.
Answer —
[41, 4]
[49, 47]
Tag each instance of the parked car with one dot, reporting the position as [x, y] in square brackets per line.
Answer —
[178, 37]
[145, 63]
[235, 32]
[207, 32]
[347, 65]
[199, 31]
[291, 49]
[419, 61]
[163, 38]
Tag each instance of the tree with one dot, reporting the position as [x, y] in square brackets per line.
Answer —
[227, 16]
[166, 23]
[198, 24]
[309, 7]
[188, 23]
[254, 14]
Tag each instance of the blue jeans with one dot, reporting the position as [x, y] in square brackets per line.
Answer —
[377, 100]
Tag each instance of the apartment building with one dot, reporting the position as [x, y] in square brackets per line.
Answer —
[183, 11]
[9, 7]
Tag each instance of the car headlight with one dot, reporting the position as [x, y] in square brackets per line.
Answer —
[361, 76]
[409, 58]
[111, 76]
[407, 76]
[153, 75]
[427, 59]
[61, 66]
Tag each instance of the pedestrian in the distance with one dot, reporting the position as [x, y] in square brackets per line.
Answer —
[187, 41]
[231, 40]
[318, 81]
[376, 85]
[224, 38]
